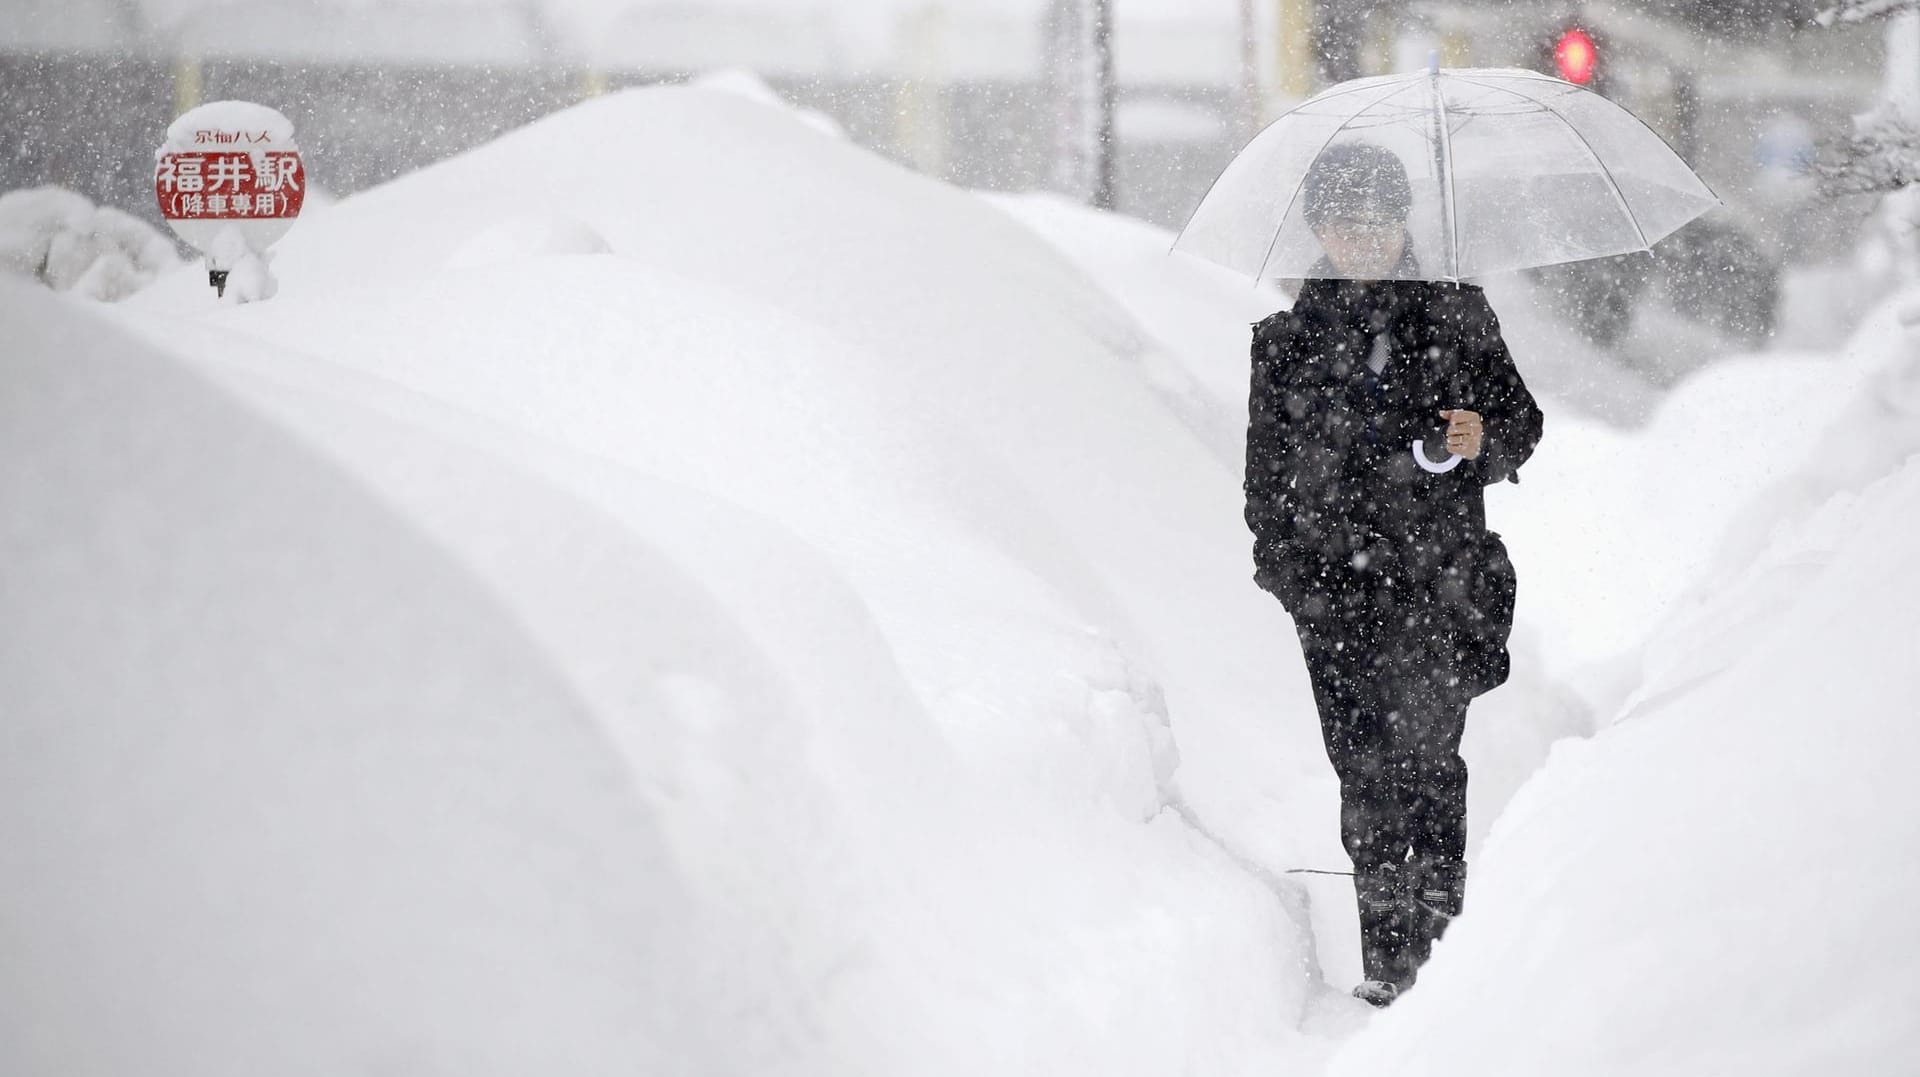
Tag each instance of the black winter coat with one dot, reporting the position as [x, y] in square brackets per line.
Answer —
[1350, 531]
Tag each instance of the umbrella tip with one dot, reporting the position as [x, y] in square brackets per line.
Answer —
[1433, 61]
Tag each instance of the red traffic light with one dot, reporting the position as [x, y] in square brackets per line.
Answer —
[1575, 56]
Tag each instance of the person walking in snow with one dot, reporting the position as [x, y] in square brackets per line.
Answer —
[1381, 406]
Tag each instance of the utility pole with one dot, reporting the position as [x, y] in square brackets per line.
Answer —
[1104, 194]
[1081, 74]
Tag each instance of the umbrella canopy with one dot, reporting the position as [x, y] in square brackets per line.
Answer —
[1503, 169]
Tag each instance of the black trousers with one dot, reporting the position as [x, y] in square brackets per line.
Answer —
[1392, 712]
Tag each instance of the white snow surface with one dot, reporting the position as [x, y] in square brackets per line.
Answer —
[669, 591]
[529, 235]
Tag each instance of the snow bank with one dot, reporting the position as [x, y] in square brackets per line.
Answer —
[64, 241]
[528, 236]
[1617, 529]
[764, 857]
[989, 568]
[1720, 882]
[1876, 428]
[285, 789]
[1612, 527]
[1198, 315]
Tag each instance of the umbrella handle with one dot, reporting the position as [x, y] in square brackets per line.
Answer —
[1446, 463]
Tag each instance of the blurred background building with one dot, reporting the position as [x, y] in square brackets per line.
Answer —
[973, 91]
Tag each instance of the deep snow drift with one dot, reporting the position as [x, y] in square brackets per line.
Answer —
[286, 790]
[832, 583]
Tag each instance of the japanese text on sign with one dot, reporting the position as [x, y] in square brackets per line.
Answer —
[231, 185]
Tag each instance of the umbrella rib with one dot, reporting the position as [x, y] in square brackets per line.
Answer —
[1446, 181]
[1534, 76]
[1295, 196]
[1612, 184]
[1328, 95]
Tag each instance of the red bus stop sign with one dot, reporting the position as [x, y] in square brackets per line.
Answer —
[230, 181]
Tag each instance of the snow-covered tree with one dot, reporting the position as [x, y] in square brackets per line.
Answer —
[1861, 10]
[64, 241]
[1882, 154]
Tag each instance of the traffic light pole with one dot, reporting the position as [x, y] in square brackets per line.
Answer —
[1107, 89]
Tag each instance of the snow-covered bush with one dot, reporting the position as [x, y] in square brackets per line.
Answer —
[1882, 158]
[1881, 154]
[1847, 11]
[64, 241]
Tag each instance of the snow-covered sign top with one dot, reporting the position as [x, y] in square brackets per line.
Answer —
[229, 179]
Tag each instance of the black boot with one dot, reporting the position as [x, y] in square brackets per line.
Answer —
[1386, 932]
[1438, 892]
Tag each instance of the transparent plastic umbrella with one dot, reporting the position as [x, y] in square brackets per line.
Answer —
[1507, 169]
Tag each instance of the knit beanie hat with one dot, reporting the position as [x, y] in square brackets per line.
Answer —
[1357, 179]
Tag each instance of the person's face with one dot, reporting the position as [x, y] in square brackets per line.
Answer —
[1366, 248]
